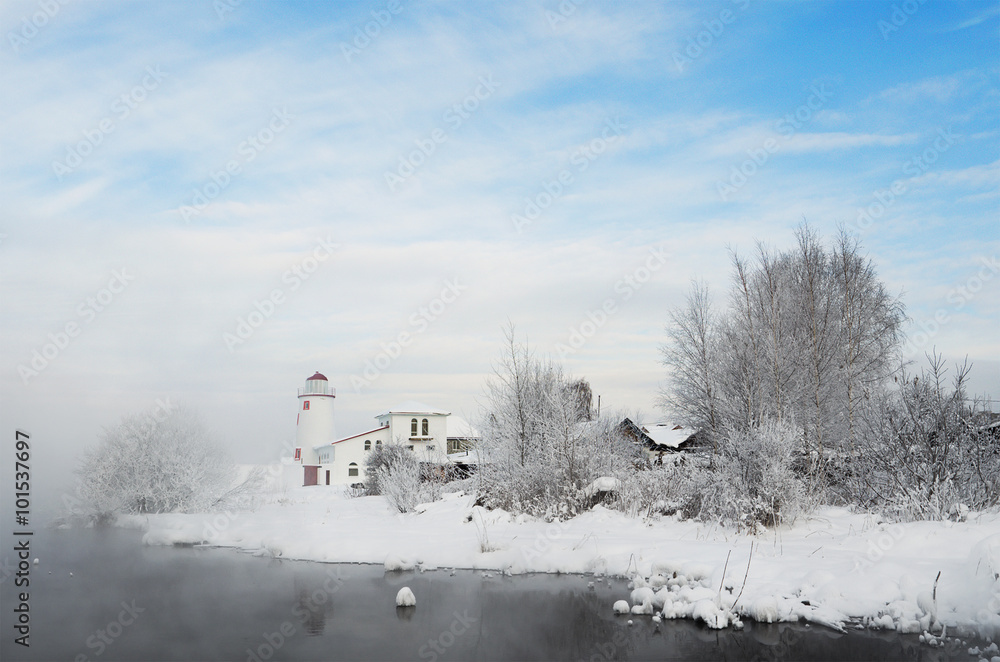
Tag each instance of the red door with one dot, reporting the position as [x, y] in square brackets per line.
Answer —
[311, 475]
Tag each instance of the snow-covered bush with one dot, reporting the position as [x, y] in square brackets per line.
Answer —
[926, 452]
[753, 479]
[145, 465]
[659, 490]
[394, 472]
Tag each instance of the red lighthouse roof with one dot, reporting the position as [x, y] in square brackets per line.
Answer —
[317, 376]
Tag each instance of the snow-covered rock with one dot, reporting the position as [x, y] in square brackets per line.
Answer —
[405, 598]
[621, 607]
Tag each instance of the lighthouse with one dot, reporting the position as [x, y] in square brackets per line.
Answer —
[314, 425]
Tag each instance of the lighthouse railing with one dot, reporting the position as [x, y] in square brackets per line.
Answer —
[318, 389]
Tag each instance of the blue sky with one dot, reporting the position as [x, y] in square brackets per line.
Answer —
[625, 124]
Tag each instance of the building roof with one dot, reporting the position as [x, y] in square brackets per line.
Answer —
[667, 434]
[413, 407]
[459, 428]
[318, 375]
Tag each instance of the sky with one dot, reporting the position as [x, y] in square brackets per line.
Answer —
[205, 202]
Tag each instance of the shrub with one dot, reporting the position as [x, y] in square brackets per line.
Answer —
[394, 472]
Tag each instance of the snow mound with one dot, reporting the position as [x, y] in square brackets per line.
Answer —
[765, 610]
[405, 598]
[602, 484]
[621, 607]
[710, 614]
[395, 563]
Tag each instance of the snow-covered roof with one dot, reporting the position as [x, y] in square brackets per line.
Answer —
[353, 436]
[459, 428]
[413, 407]
[465, 457]
[667, 434]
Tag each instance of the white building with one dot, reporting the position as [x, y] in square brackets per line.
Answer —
[327, 460]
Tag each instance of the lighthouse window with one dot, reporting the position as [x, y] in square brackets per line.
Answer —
[305, 405]
[352, 469]
[368, 444]
[298, 453]
[413, 428]
[425, 428]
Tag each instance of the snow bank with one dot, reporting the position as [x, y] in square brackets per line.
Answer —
[834, 568]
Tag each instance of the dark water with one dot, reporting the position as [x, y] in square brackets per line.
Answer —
[130, 602]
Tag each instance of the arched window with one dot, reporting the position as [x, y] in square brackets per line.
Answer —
[368, 444]
[352, 469]
[425, 428]
[378, 442]
[413, 428]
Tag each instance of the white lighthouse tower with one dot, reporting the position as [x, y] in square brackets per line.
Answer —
[314, 425]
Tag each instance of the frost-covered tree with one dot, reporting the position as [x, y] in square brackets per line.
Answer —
[538, 448]
[150, 465]
[808, 335]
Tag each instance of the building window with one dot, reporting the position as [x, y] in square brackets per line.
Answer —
[413, 428]
[305, 405]
[368, 444]
[298, 454]
[378, 442]
[352, 469]
[425, 428]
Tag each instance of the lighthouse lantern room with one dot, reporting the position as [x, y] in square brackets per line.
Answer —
[314, 425]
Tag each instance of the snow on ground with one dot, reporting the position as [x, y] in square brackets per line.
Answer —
[834, 568]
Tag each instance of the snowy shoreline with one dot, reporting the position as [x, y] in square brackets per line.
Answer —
[835, 568]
